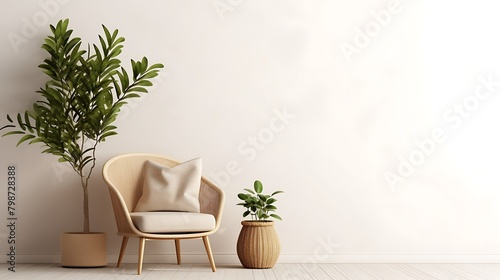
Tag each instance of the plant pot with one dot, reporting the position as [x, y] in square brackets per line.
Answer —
[258, 244]
[83, 249]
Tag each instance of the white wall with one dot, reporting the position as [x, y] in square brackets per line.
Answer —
[341, 95]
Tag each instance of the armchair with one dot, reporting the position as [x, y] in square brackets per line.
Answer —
[123, 175]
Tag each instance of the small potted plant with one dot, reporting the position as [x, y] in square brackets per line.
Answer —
[258, 244]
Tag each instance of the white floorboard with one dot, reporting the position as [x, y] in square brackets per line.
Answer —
[278, 272]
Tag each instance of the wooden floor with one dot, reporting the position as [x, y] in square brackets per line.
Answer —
[280, 271]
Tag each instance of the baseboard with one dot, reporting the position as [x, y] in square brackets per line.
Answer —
[490, 258]
[233, 258]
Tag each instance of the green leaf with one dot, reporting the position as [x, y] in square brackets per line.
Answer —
[117, 41]
[27, 121]
[277, 192]
[118, 90]
[108, 128]
[36, 140]
[250, 191]
[150, 75]
[14, 133]
[138, 89]
[103, 137]
[242, 196]
[271, 200]
[64, 25]
[156, 66]
[132, 95]
[144, 83]
[20, 122]
[49, 46]
[135, 69]
[87, 160]
[115, 33]
[257, 185]
[124, 78]
[276, 217]
[108, 35]
[270, 207]
[144, 64]
[25, 138]
[72, 44]
[262, 197]
[103, 46]
[246, 213]
[116, 51]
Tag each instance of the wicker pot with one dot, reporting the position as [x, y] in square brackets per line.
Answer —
[83, 249]
[258, 244]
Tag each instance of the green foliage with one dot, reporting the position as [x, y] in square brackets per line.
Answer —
[82, 98]
[259, 206]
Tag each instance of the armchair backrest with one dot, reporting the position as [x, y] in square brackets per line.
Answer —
[123, 175]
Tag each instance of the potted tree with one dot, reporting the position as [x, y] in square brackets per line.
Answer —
[258, 245]
[80, 102]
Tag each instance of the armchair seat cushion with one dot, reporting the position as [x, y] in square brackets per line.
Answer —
[172, 222]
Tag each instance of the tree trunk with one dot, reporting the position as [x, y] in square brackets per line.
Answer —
[86, 220]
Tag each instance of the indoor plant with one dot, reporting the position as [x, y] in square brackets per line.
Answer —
[80, 102]
[258, 244]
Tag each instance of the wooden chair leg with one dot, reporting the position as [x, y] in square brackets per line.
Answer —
[142, 243]
[122, 251]
[178, 250]
[209, 252]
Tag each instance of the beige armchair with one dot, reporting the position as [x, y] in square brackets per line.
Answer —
[123, 177]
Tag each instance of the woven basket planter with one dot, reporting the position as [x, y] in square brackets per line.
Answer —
[258, 244]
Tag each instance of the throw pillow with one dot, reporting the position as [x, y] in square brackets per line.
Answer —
[170, 188]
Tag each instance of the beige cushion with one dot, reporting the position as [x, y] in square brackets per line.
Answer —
[172, 222]
[170, 188]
